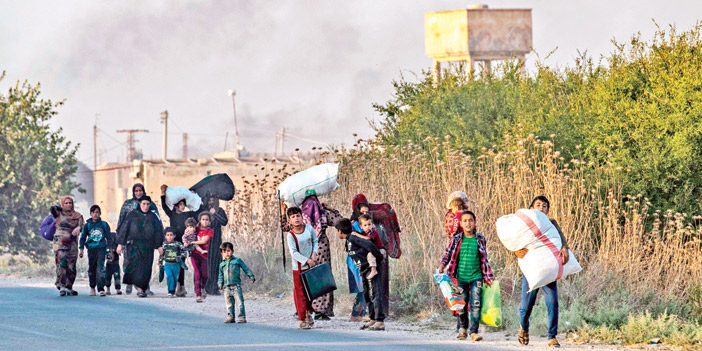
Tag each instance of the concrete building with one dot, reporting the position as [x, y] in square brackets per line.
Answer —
[113, 181]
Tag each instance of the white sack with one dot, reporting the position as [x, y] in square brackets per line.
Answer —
[318, 180]
[176, 193]
[540, 266]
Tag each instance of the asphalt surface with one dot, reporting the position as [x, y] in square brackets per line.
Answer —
[39, 319]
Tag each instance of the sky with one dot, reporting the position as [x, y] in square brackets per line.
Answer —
[313, 67]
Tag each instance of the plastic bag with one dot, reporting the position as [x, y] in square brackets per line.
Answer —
[491, 305]
[176, 193]
[48, 228]
[318, 180]
[452, 294]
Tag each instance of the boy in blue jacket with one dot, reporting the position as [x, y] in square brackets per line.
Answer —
[95, 236]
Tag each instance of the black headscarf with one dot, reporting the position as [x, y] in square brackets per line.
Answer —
[138, 185]
[145, 197]
[357, 210]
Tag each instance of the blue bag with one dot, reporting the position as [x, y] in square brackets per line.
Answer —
[355, 280]
[48, 228]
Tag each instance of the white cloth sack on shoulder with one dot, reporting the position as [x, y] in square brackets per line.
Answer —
[176, 193]
[318, 180]
[531, 229]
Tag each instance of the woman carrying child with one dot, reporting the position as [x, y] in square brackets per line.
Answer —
[466, 260]
[68, 226]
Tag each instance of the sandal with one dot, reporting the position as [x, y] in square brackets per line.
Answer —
[376, 328]
[523, 336]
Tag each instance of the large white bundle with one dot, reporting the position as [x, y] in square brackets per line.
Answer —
[318, 180]
[531, 229]
[176, 193]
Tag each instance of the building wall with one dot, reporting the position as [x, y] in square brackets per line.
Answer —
[113, 182]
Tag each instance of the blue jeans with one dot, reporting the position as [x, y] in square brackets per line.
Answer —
[528, 300]
[172, 272]
[472, 293]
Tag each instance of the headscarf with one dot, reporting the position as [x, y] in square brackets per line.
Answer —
[313, 214]
[145, 197]
[72, 214]
[138, 185]
[358, 201]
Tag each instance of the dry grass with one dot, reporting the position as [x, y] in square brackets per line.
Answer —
[643, 250]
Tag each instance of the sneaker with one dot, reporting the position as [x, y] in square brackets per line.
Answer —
[92, 291]
[476, 337]
[462, 334]
[305, 325]
[553, 343]
[119, 292]
[107, 291]
[71, 292]
[62, 292]
[102, 293]
[523, 336]
[149, 292]
[128, 290]
[229, 319]
[172, 295]
[241, 320]
[198, 300]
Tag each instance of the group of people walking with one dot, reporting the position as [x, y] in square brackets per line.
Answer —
[140, 232]
[466, 261]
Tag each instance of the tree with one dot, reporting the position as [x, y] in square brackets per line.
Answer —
[36, 167]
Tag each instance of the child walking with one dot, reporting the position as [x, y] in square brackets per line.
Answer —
[199, 258]
[95, 236]
[229, 282]
[303, 245]
[172, 260]
[467, 261]
[112, 269]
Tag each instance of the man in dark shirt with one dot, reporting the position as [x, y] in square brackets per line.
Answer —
[358, 248]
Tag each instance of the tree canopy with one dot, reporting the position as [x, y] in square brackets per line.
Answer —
[36, 168]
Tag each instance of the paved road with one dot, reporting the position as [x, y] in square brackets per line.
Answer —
[39, 319]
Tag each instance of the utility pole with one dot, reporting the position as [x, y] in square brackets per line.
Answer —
[185, 145]
[131, 150]
[282, 141]
[232, 93]
[164, 121]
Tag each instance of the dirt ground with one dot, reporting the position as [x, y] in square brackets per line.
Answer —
[279, 312]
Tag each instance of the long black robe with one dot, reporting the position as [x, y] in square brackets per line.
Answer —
[141, 233]
[214, 258]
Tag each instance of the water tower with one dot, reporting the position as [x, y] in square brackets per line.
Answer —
[477, 34]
